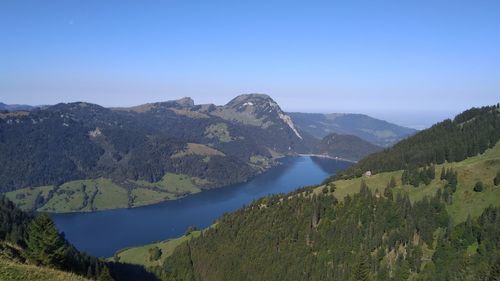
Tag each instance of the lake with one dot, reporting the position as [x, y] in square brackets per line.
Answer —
[103, 233]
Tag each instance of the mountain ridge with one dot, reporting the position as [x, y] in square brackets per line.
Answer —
[141, 152]
[376, 131]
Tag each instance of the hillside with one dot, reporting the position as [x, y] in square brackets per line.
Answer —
[152, 255]
[404, 232]
[31, 248]
[14, 271]
[467, 135]
[345, 147]
[84, 157]
[367, 228]
[378, 132]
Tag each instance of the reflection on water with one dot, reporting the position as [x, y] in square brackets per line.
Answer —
[103, 233]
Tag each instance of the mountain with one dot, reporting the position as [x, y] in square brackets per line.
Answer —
[376, 131]
[103, 158]
[370, 227]
[345, 147]
[15, 107]
[140, 155]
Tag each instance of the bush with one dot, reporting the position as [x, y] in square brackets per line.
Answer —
[190, 229]
[496, 180]
[478, 187]
[154, 254]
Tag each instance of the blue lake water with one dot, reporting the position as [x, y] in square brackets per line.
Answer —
[103, 233]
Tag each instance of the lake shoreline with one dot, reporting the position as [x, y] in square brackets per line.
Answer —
[103, 233]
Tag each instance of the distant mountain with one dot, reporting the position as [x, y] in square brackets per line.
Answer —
[346, 147]
[378, 132]
[15, 107]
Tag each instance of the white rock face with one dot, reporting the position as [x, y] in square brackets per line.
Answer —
[289, 122]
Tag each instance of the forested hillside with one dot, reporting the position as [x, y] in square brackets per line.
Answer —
[80, 140]
[468, 134]
[73, 157]
[345, 147]
[31, 248]
[85, 154]
[386, 226]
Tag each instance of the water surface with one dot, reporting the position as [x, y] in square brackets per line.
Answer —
[103, 233]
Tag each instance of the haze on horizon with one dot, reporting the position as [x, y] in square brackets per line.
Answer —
[413, 63]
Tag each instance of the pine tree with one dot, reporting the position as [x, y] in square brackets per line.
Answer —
[392, 183]
[362, 270]
[443, 174]
[496, 180]
[478, 187]
[105, 275]
[45, 246]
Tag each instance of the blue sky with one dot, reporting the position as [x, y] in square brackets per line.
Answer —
[385, 58]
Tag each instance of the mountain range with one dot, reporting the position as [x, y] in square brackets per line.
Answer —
[378, 132]
[159, 151]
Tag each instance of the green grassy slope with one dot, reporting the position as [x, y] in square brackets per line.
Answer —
[465, 201]
[140, 255]
[14, 271]
[103, 194]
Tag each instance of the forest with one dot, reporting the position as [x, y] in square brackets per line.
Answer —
[66, 142]
[468, 134]
[367, 236]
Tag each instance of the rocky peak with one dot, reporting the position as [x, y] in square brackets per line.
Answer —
[261, 108]
[185, 102]
[256, 100]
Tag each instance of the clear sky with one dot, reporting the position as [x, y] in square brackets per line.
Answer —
[377, 57]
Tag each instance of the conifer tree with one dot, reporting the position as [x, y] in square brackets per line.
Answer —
[45, 246]
[496, 180]
[105, 275]
[443, 174]
[392, 183]
[362, 270]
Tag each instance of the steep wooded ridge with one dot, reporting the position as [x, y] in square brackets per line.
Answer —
[378, 132]
[346, 147]
[80, 140]
[375, 227]
[468, 134]
[78, 156]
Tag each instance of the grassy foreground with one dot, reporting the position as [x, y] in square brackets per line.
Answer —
[13, 271]
[103, 194]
